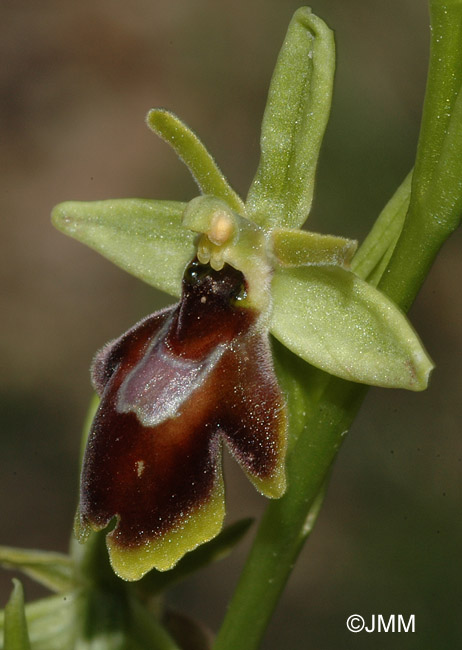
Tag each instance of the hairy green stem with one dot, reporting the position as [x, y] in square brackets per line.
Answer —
[436, 197]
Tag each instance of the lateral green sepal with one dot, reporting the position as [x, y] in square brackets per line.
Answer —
[341, 324]
[293, 126]
[142, 236]
[292, 247]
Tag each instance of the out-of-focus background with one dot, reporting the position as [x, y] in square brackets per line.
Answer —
[77, 79]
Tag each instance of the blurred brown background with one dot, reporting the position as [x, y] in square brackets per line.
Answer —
[77, 79]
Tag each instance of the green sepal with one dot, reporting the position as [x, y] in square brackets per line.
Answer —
[52, 570]
[193, 153]
[216, 549]
[143, 237]
[16, 636]
[341, 324]
[293, 126]
[292, 247]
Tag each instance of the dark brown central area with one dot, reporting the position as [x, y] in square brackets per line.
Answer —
[209, 311]
[155, 476]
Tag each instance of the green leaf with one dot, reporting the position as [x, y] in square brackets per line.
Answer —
[217, 549]
[50, 622]
[375, 252]
[193, 153]
[16, 636]
[341, 324]
[294, 122]
[142, 236]
[293, 247]
[53, 570]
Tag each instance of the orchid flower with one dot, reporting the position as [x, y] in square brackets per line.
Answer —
[186, 379]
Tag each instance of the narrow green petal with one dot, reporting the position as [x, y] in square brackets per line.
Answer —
[143, 237]
[293, 247]
[294, 122]
[16, 636]
[53, 570]
[341, 324]
[193, 153]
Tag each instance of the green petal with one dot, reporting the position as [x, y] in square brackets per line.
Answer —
[293, 247]
[295, 119]
[339, 323]
[193, 153]
[142, 236]
[16, 636]
[53, 570]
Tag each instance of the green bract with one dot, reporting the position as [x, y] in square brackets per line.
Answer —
[319, 308]
[16, 636]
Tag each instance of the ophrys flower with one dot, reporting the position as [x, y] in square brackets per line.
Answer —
[184, 379]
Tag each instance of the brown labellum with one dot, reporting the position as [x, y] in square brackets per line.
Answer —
[172, 389]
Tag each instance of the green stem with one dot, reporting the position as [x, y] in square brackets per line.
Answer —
[282, 531]
[287, 522]
[436, 197]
